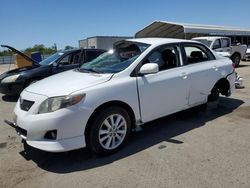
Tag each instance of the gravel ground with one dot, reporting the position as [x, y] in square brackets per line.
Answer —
[189, 149]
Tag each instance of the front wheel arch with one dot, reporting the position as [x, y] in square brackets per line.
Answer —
[104, 106]
[114, 135]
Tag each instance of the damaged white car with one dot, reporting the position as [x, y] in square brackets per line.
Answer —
[98, 104]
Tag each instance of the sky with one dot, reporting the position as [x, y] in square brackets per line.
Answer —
[24, 23]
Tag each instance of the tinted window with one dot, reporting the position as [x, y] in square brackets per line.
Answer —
[195, 54]
[90, 55]
[216, 44]
[49, 60]
[225, 43]
[65, 60]
[70, 59]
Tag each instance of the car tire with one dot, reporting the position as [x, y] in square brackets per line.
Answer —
[109, 130]
[236, 60]
[214, 95]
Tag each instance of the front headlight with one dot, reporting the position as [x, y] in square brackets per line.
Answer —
[10, 79]
[55, 103]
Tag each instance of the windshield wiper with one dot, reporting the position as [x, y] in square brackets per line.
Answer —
[89, 70]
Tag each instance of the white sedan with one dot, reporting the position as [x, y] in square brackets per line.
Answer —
[98, 104]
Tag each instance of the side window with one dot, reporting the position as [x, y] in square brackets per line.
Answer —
[75, 58]
[225, 43]
[216, 44]
[65, 60]
[195, 54]
[166, 58]
[92, 55]
[70, 59]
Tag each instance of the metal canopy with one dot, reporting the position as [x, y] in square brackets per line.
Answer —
[180, 30]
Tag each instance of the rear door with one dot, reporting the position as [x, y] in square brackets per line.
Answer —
[164, 92]
[202, 67]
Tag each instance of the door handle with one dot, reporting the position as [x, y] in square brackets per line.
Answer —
[184, 75]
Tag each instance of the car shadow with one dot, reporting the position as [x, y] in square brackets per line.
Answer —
[161, 131]
[10, 98]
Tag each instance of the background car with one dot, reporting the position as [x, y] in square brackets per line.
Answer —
[224, 47]
[247, 56]
[14, 81]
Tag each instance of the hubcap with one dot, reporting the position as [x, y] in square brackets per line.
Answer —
[112, 131]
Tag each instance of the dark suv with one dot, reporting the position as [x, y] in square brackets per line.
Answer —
[14, 81]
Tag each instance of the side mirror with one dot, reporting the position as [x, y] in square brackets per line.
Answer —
[149, 68]
[54, 64]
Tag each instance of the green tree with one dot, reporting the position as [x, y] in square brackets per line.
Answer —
[68, 47]
[6, 53]
[42, 49]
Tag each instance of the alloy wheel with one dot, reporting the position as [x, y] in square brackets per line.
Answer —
[112, 131]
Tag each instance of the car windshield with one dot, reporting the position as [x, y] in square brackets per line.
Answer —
[49, 60]
[123, 55]
[204, 41]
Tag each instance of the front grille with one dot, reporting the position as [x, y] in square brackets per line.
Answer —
[21, 131]
[25, 104]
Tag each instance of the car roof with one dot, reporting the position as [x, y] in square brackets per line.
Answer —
[158, 41]
[78, 49]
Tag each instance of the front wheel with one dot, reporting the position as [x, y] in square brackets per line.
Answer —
[109, 130]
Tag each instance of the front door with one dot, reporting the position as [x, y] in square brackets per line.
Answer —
[70, 61]
[164, 92]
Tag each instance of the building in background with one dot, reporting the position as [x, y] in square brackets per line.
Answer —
[188, 31]
[101, 42]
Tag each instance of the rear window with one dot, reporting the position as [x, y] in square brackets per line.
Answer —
[196, 54]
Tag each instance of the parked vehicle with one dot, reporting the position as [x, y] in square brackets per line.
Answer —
[100, 103]
[223, 46]
[247, 56]
[14, 81]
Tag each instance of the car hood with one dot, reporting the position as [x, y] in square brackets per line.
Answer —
[67, 82]
[18, 71]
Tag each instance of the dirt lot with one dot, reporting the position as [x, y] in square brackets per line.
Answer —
[188, 149]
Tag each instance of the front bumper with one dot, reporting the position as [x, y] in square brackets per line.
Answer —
[14, 88]
[70, 124]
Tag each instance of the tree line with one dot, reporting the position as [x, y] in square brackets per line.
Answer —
[36, 48]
